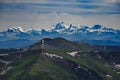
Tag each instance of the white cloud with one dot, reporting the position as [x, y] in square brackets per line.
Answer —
[48, 20]
[46, 13]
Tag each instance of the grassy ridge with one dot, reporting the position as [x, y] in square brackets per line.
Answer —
[91, 62]
[37, 66]
[21, 66]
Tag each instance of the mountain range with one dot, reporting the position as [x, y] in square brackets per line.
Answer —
[97, 35]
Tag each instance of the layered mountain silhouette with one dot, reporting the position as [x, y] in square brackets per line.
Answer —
[97, 34]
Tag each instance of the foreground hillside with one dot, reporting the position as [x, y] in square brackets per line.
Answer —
[62, 61]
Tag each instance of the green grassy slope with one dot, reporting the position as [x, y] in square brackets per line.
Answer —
[37, 66]
[91, 62]
[40, 67]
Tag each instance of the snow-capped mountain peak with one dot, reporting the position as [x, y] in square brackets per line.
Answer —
[60, 27]
[10, 30]
[72, 27]
[30, 30]
[20, 29]
[97, 34]
[14, 29]
[97, 27]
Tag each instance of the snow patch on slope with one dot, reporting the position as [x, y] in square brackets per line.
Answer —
[73, 54]
[53, 55]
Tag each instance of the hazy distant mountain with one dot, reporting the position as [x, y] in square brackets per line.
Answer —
[97, 34]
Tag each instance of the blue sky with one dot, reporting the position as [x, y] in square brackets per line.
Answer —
[46, 13]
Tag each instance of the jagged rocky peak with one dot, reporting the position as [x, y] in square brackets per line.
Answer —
[14, 29]
[97, 26]
[72, 27]
[84, 28]
[60, 25]
[63, 28]
[32, 30]
[10, 30]
[97, 34]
